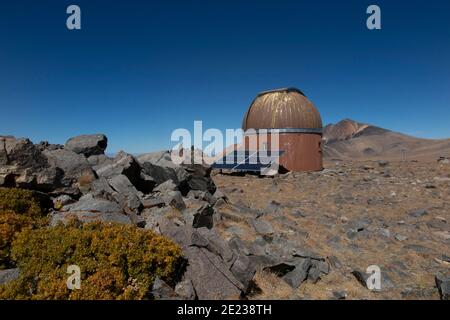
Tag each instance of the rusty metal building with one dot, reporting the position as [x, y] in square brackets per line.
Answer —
[297, 122]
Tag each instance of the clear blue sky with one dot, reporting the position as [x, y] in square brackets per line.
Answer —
[139, 69]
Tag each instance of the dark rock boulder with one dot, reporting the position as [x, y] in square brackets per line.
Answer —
[23, 165]
[295, 277]
[88, 144]
[203, 217]
[125, 164]
[163, 161]
[244, 270]
[73, 165]
[443, 285]
[159, 174]
[199, 178]
[211, 240]
[128, 196]
[91, 204]
[211, 278]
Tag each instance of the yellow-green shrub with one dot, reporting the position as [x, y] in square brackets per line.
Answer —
[116, 262]
[19, 209]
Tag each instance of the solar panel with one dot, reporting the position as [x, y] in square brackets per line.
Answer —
[247, 160]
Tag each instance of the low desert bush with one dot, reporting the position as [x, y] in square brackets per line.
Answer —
[19, 209]
[116, 262]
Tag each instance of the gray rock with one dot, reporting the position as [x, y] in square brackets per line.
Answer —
[99, 160]
[199, 178]
[122, 185]
[438, 224]
[215, 243]
[198, 239]
[220, 195]
[383, 163]
[162, 291]
[175, 200]
[361, 277]
[418, 213]
[273, 207]
[179, 233]
[203, 217]
[73, 165]
[238, 246]
[419, 248]
[166, 186]
[125, 195]
[88, 144]
[163, 162]
[360, 224]
[385, 232]
[23, 165]
[400, 237]
[443, 285]
[314, 274]
[202, 195]
[8, 275]
[210, 276]
[322, 266]
[299, 274]
[244, 270]
[159, 174]
[220, 203]
[185, 290]
[340, 295]
[298, 214]
[335, 262]
[262, 227]
[65, 217]
[89, 203]
[125, 164]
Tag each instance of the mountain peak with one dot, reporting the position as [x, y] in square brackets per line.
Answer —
[343, 130]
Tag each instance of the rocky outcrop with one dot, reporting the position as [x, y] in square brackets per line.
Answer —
[88, 145]
[23, 165]
[180, 202]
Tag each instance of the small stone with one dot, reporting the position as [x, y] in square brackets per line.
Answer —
[400, 237]
[383, 163]
[385, 232]
[262, 227]
[418, 213]
[340, 295]
[361, 277]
